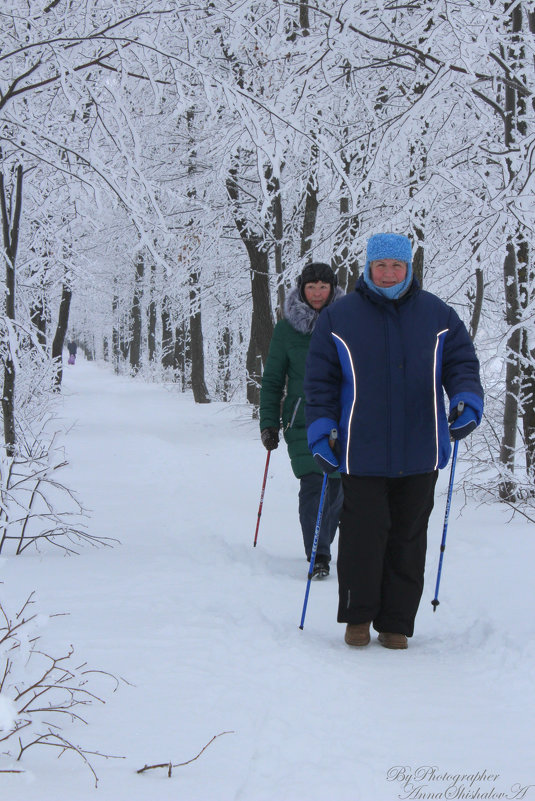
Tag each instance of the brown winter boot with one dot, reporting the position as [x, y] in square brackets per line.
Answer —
[392, 640]
[357, 633]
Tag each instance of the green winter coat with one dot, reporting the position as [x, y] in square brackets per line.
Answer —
[282, 381]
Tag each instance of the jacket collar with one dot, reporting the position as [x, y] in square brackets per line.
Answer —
[363, 289]
[300, 315]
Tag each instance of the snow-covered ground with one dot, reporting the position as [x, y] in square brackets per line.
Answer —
[205, 629]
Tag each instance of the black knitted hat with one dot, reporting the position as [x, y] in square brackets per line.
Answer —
[316, 271]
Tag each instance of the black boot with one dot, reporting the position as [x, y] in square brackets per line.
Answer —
[321, 567]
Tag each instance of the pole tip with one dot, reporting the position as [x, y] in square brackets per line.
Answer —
[434, 604]
[301, 627]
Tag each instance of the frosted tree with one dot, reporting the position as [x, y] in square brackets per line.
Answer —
[11, 206]
[219, 146]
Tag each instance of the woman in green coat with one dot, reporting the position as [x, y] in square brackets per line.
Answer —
[282, 383]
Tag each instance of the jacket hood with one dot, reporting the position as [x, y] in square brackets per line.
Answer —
[300, 315]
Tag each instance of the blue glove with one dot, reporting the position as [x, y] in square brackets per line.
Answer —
[463, 419]
[324, 455]
[322, 439]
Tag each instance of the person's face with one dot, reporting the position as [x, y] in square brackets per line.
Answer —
[317, 294]
[388, 272]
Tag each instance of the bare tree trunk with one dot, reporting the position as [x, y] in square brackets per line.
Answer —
[514, 124]
[151, 333]
[417, 173]
[476, 298]
[135, 339]
[115, 334]
[38, 318]
[477, 302]
[198, 385]
[124, 337]
[303, 23]
[10, 229]
[61, 332]
[262, 316]
[167, 335]
[528, 404]
[278, 233]
[261, 321]
[181, 354]
[223, 366]
[343, 262]
[303, 17]
[39, 313]
[526, 279]
[311, 202]
[512, 376]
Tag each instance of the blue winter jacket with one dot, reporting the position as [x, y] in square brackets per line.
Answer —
[376, 369]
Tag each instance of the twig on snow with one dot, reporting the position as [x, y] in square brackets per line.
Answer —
[169, 765]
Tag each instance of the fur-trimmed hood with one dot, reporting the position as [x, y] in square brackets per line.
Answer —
[300, 315]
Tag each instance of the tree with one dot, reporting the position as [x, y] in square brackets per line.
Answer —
[11, 214]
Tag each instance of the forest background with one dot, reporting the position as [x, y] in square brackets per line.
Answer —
[167, 169]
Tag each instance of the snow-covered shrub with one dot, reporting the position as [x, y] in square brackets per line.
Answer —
[35, 507]
[40, 692]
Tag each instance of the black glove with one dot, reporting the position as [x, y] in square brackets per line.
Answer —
[270, 438]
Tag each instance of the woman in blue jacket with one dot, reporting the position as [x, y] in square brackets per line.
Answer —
[379, 362]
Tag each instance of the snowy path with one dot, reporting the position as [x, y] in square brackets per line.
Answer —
[205, 628]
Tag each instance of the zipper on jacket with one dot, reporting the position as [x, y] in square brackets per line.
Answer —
[294, 413]
[388, 394]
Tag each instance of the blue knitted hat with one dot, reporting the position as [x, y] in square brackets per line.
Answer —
[389, 246]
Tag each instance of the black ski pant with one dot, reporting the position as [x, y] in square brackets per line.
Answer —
[381, 549]
[309, 501]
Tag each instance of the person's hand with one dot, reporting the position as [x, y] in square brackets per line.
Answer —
[463, 420]
[324, 454]
[270, 438]
[322, 436]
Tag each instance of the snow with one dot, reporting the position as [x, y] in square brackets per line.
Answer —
[205, 628]
[8, 713]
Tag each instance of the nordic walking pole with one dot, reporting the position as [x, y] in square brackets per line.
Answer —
[314, 547]
[261, 498]
[435, 602]
[332, 441]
